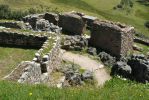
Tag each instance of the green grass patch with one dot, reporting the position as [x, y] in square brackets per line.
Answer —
[49, 46]
[144, 47]
[115, 89]
[26, 32]
[11, 57]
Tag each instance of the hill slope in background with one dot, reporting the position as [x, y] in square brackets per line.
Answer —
[101, 8]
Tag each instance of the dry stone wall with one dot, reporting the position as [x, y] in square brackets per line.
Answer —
[115, 38]
[72, 23]
[38, 70]
[47, 59]
[13, 24]
[21, 39]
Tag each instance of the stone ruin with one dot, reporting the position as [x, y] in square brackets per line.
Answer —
[48, 57]
[45, 60]
[114, 38]
[19, 39]
[72, 23]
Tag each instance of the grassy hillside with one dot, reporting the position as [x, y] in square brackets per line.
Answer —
[101, 8]
[115, 89]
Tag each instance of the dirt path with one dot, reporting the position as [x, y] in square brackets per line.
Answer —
[85, 62]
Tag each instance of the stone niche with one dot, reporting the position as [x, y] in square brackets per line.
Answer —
[72, 23]
[115, 38]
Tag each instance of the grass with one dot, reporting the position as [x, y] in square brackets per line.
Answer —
[137, 16]
[26, 32]
[50, 44]
[5, 20]
[115, 89]
[11, 57]
[144, 47]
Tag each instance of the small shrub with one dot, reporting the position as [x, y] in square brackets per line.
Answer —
[119, 6]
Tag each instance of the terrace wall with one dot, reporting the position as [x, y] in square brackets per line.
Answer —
[13, 24]
[21, 40]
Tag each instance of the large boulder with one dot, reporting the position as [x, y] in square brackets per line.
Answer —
[72, 23]
[92, 51]
[73, 75]
[107, 59]
[75, 80]
[122, 69]
[52, 18]
[74, 43]
[87, 75]
[140, 67]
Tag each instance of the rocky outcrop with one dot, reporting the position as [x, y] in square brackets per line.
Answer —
[107, 59]
[140, 68]
[122, 69]
[92, 51]
[115, 38]
[137, 68]
[73, 77]
[74, 43]
[72, 23]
